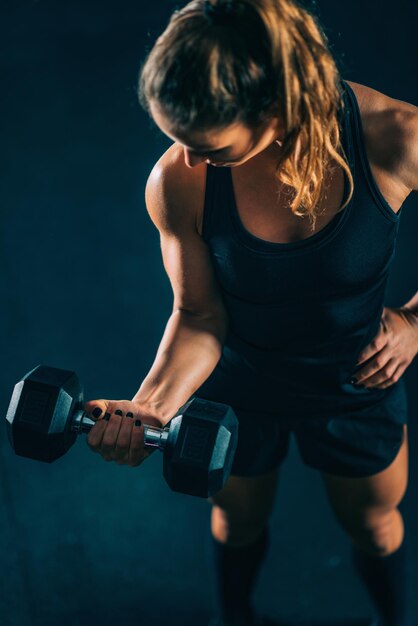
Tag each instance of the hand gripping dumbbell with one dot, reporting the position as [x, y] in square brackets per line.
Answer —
[45, 416]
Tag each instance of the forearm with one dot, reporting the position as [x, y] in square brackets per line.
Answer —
[188, 353]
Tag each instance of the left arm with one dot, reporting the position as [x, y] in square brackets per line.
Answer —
[409, 173]
[396, 343]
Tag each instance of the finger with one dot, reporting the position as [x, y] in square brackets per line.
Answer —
[394, 377]
[373, 347]
[375, 365]
[383, 374]
[124, 438]
[96, 409]
[110, 436]
[123, 461]
[95, 436]
[136, 450]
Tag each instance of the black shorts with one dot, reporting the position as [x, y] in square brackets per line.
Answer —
[358, 444]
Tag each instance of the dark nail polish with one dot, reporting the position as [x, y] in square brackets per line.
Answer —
[97, 412]
[107, 417]
[129, 414]
[118, 412]
[353, 381]
[138, 423]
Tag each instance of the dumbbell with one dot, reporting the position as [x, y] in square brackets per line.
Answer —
[45, 416]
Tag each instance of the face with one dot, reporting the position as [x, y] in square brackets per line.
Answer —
[228, 147]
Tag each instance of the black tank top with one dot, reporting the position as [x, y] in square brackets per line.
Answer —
[301, 312]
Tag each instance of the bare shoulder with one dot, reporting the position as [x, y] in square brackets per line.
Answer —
[377, 100]
[390, 127]
[175, 192]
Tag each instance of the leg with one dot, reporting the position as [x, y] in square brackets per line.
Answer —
[367, 510]
[242, 508]
[239, 519]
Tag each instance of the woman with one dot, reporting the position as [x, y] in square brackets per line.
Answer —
[278, 206]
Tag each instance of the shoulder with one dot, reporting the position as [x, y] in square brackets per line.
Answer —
[175, 192]
[390, 127]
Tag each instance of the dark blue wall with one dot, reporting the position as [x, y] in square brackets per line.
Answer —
[83, 287]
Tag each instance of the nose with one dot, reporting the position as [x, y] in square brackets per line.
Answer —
[191, 159]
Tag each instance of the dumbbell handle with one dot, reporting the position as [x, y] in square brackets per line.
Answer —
[153, 437]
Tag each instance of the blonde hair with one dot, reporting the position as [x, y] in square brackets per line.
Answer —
[260, 59]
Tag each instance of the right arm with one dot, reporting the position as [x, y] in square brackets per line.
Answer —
[196, 330]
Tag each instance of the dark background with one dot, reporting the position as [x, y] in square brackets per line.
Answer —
[83, 287]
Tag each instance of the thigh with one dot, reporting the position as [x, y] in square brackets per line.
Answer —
[247, 500]
[361, 500]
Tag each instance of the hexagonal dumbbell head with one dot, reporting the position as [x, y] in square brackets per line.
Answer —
[200, 447]
[39, 413]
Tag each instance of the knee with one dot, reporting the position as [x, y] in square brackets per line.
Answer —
[235, 532]
[379, 535]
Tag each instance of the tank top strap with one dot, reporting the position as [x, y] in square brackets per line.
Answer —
[365, 176]
[217, 194]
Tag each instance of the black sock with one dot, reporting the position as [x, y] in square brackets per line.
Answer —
[385, 580]
[235, 570]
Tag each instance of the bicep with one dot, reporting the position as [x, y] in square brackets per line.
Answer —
[186, 256]
[188, 264]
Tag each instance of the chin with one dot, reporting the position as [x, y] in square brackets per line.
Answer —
[227, 164]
